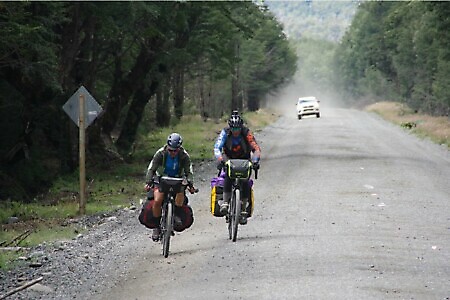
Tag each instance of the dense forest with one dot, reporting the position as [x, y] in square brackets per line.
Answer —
[398, 51]
[165, 59]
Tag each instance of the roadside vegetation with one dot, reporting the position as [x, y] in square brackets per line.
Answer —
[50, 217]
[148, 64]
[435, 128]
[397, 50]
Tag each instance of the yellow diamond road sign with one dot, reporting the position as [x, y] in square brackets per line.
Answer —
[91, 108]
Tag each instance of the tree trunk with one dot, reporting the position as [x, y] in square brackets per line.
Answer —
[166, 104]
[159, 107]
[123, 88]
[134, 117]
[201, 87]
[178, 89]
[236, 102]
[162, 105]
[253, 101]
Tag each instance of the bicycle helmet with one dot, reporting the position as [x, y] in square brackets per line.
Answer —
[235, 120]
[174, 141]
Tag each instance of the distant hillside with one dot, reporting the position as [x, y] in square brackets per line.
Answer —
[314, 19]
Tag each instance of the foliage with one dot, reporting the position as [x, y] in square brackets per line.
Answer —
[320, 20]
[398, 49]
[136, 59]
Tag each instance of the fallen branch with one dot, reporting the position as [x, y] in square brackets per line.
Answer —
[22, 287]
[13, 248]
[19, 238]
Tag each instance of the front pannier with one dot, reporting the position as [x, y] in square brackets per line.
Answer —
[186, 215]
[146, 216]
[147, 219]
[217, 194]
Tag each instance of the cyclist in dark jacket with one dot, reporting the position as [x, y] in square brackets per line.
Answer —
[174, 161]
[236, 141]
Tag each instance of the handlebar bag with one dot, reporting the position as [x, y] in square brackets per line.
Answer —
[239, 168]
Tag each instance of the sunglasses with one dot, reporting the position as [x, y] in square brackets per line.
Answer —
[235, 128]
[173, 150]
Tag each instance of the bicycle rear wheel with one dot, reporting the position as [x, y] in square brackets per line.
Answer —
[168, 227]
[236, 212]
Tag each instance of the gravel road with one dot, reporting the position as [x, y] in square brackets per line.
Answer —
[347, 206]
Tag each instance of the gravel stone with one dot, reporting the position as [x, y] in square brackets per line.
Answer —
[91, 262]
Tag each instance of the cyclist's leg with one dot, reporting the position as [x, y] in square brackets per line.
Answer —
[179, 199]
[245, 188]
[226, 195]
[159, 196]
[245, 194]
[178, 210]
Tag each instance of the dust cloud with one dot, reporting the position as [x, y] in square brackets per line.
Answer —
[285, 99]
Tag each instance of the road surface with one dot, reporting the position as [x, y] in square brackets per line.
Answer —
[348, 206]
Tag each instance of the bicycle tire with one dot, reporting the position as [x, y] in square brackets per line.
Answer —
[230, 216]
[168, 229]
[236, 213]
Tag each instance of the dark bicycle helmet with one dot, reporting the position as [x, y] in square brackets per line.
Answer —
[235, 120]
[174, 140]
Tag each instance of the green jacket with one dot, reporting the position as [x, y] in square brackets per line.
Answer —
[156, 166]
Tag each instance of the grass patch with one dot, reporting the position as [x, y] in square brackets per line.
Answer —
[31, 233]
[8, 259]
[435, 128]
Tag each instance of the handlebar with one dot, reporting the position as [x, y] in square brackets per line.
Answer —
[172, 182]
[256, 168]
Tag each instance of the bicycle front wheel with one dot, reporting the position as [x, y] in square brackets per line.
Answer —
[230, 216]
[236, 212]
[168, 229]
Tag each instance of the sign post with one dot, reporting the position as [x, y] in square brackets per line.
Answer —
[82, 150]
[83, 110]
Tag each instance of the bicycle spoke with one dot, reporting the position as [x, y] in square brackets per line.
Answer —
[236, 213]
[168, 229]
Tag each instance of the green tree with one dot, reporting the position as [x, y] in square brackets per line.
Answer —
[128, 55]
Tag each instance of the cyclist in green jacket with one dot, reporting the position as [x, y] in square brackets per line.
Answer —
[174, 161]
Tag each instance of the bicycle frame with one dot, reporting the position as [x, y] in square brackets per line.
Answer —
[238, 170]
[234, 209]
[170, 186]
